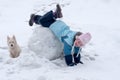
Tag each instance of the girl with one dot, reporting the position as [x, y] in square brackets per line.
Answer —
[72, 40]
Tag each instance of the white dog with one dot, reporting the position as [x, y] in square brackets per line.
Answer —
[14, 48]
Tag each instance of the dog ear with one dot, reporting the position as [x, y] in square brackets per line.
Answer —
[8, 38]
[14, 37]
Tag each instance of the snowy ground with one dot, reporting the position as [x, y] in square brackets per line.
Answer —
[101, 56]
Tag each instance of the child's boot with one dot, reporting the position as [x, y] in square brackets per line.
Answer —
[58, 13]
[31, 21]
[77, 58]
[69, 61]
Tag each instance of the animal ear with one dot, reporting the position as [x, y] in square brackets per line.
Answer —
[8, 38]
[13, 36]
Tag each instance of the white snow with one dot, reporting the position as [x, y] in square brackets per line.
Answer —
[45, 44]
[101, 56]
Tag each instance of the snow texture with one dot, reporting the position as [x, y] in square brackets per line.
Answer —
[44, 43]
[40, 57]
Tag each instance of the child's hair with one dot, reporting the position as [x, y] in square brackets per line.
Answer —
[77, 34]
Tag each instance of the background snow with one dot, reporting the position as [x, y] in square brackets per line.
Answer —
[101, 56]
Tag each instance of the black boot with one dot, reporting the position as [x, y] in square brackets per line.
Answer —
[77, 58]
[58, 13]
[31, 21]
[69, 61]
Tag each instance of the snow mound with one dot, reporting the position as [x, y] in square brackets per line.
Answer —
[45, 44]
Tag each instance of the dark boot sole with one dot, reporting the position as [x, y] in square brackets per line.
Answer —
[31, 21]
[59, 13]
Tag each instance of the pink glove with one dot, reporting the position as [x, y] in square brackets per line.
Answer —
[82, 39]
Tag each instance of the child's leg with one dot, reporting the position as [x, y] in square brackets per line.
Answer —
[36, 19]
[68, 56]
[45, 20]
[68, 60]
[77, 59]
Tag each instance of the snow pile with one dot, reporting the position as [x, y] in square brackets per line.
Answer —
[44, 43]
[101, 56]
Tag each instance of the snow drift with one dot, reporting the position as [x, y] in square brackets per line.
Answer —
[44, 43]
